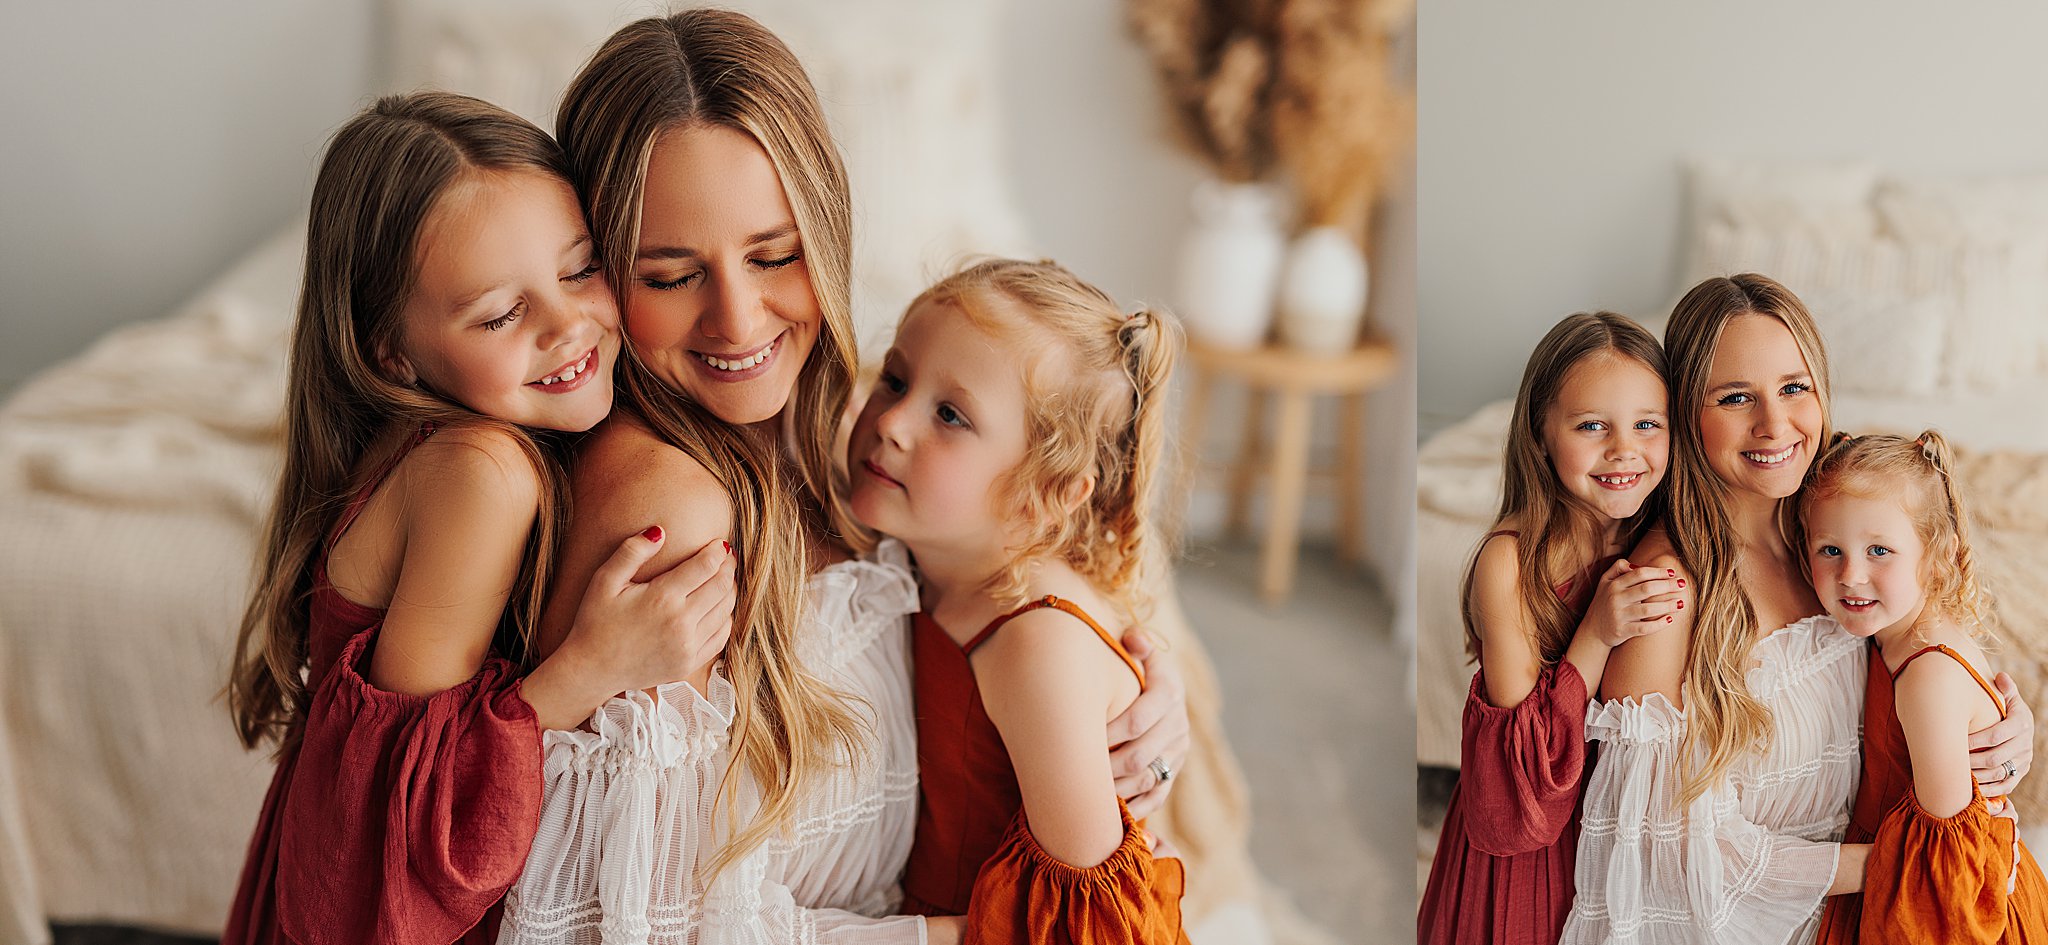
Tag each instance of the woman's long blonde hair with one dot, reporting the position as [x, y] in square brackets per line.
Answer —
[1098, 380]
[382, 175]
[1922, 473]
[1724, 720]
[1556, 526]
[717, 68]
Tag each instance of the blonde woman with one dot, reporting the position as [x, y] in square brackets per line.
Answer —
[770, 796]
[1728, 751]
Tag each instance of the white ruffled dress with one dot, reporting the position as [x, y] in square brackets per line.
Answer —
[631, 815]
[1750, 862]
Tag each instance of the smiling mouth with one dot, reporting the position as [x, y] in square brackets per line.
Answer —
[1618, 481]
[570, 376]
[1857, 605]
[876, 471]
[741, 363]
[1771, 460]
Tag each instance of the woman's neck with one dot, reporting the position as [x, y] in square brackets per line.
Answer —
[1755, 520]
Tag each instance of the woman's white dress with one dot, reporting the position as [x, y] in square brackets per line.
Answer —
[631, 814]
[1750, 862]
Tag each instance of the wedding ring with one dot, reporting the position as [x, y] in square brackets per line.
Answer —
[2010, 771]
[1165, 773]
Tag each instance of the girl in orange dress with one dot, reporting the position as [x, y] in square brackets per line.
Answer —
[1546, 598]
[1011, 443]
[1886, 543]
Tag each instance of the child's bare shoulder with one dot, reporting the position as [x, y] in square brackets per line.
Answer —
[468, 464]
[1046, 651]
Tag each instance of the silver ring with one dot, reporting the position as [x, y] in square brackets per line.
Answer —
[2010, 771]
[1160, 769]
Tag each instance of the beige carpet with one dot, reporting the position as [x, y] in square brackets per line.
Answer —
[1315, 701]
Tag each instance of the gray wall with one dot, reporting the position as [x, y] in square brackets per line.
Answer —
[1552, 135]
[150, 144]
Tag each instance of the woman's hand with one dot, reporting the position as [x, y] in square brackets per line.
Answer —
[1634, 601]
[944, 929]
[1154, 728]
[2000, 807]
[637, 635]
[2001, 754]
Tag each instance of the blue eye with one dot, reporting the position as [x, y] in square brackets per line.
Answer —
[1828, 551]
[1879, 551]
[1795, 388]
[1592, 426]
[1739, 397]
[951, 417]
[1648, 425]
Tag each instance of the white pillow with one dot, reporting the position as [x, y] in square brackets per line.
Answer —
[1828, 199]
[1885, 309]
[1955, 210]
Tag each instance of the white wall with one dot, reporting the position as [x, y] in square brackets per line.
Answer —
[1552, 135]
[149, 144]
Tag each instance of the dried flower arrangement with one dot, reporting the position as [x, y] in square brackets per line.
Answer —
[1304, 86]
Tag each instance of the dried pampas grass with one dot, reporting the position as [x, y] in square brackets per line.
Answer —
[1304, 86]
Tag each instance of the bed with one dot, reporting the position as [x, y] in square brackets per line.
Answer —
[134, 479]
[1932, 293]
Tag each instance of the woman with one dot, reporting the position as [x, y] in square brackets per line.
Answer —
[721, 206]
[1729, 754]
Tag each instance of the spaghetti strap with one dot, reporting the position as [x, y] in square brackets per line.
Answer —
[1058, 603]
[1511, 533]
[362, 496]
[1996, 699]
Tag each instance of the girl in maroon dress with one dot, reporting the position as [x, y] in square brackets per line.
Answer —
[1546, 598]
[453, 316]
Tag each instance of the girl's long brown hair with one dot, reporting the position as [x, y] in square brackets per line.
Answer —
[378, 184]
[1724, 719]
[717, 68]
[1556, 526]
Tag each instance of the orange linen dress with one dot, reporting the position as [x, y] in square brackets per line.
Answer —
[1504, 859]
[974, 854]
[1928, 879]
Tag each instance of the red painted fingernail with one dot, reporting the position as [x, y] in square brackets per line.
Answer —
[1681, 605]
[1673, 572]
[1681, 582]
[653, 533]
[1667, 618]
[727, 544]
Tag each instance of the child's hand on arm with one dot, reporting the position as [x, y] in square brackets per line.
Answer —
[1153, 728]
[1631, 601]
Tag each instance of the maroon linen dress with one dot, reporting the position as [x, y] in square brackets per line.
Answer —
[395, 818]
[1503, 868]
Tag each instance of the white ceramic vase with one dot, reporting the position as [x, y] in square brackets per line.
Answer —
[1322, 293]
[1230, 264]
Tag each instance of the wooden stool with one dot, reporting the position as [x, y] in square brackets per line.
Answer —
[1295, 378]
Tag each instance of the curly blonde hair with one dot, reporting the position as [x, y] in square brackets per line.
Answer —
[1922, 471]
[1100, 416]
